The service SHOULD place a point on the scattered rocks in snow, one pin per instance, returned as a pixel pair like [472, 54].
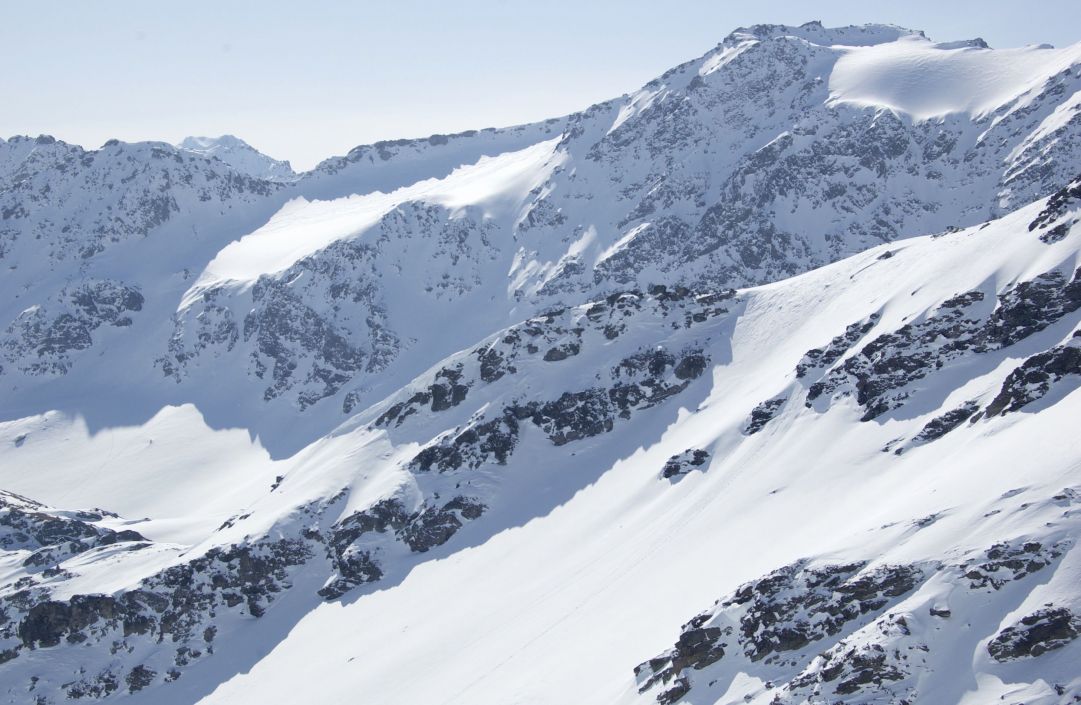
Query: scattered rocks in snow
[50, 536]
[180, 604]
[825, 357]
[681, 464]
[639, 382]
[1058, 205]
[882, 374]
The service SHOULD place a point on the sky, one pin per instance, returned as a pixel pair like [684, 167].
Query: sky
[307, 80]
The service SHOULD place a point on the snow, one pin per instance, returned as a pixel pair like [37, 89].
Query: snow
[210, 475]
[496, 184]
[919, 78]
[241, 156]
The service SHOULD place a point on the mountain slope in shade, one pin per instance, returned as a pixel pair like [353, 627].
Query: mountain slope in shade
[241, 156]
[756, 385]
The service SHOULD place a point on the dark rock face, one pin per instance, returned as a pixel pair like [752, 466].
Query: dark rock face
[882, 373]
[640, 381]
[353, 553]
[1005, 562]
[696, 648]
[1058, 205]
[1035, 634]
[481, 442]
[284, 330]
[843, 633]
[1035, 377]
[80, 202]
[44, 339]
[180, 604]
[822, 601]
[855, 669]
[825, 357]
[681, 464]
[354, 563]
[762, 415]
[445, 392]
[784, 612]
[562, 352]
[941, 425]
[561, 333]
[308, 331]
[139, 678]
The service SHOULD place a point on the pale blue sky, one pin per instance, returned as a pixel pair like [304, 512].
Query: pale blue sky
[306, 80]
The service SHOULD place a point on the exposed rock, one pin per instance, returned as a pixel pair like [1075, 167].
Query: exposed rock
[1035, 377]
[825, 357]
[784, 612]
[762, 415]
[1009, 561]
[352, 548]
[883, 372]
[681, 464]
[139, 678]
[941, 425]
[640, 381]
[1035, 634]
[43, 339]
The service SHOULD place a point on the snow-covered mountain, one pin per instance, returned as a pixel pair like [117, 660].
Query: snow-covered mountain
[241, 156]
[754, 385]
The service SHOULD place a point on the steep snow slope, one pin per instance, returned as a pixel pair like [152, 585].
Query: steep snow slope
[241, 156]
[530, 519]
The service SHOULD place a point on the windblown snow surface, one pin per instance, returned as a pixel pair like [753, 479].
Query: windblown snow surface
[758, 385]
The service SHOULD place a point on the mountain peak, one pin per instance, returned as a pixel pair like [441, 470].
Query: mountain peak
[815, 32]
[240, 155]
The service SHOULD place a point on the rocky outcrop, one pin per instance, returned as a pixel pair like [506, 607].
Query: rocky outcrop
[180, 605]
[1006, 562]
[846, 632]
[782, 613]
[682, 463]
[763, 414]
[941, 425]
[354, 553]
[638, 382]
[1058, 205]
[46, 339]
[1035, 634]
[882, 375]
[49, 536]
[1036, 376]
